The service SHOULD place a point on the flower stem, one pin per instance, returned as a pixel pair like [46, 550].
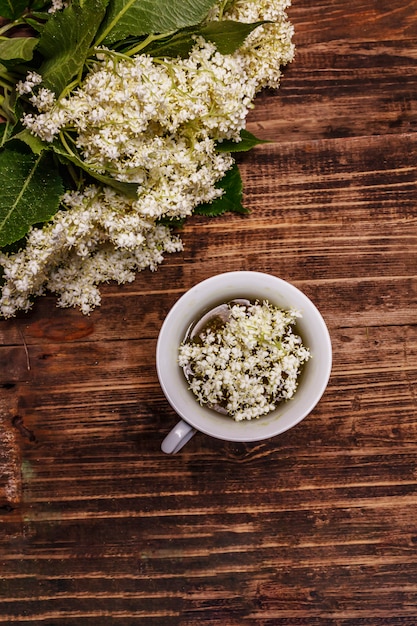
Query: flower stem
[222, 8]
[10, 25]
[63, 137]
[109, 53]
[6, 129]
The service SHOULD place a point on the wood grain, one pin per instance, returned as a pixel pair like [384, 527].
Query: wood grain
[315, 527]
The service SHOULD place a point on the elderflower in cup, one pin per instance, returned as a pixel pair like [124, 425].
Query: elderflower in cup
[242, 356]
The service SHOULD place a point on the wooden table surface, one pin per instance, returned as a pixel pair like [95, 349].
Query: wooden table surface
[316, 526]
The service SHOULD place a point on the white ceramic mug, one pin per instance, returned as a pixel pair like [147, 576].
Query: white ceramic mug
[189, 308]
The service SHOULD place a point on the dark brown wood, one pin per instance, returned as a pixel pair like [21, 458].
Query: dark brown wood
[315, 527]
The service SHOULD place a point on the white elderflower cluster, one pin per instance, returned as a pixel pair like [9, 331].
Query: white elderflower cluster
[205, 95]
[125, 102]
[155, 124]
[268, 47]
[32, 79]
[151, 122]
[99, 237]
[249, 364]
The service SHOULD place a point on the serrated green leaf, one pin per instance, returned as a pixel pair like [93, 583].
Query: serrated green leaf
[36, 145]
[12, 9]
[230, 201]
[127, 18]
[17, 48]
[31, 192]
[247, 142]
[66, 40]
[228, 35]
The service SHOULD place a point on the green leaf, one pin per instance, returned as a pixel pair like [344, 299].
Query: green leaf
[12, 9]
[177, 45]
[31, 192]
[66, 40]
[38, 14]
[127, 18]
[247, 142]
[17, 48]
[127, 189]
[230, 201]
[172, 222]
[36, 145]
[228, 35]
[35, 24]
[37, 5]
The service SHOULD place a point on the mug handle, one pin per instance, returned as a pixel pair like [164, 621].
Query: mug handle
[177, 437]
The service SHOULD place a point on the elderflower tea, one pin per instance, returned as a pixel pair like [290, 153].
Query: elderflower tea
[244, 358]
[185, 321]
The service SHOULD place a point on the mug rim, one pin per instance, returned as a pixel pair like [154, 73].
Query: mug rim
[178, 320]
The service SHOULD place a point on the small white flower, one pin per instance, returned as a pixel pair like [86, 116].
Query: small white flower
[57, 5]
[43, 100]
[26, 86]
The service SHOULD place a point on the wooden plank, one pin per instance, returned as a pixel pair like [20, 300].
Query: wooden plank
[10, 460]
[353, 74]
